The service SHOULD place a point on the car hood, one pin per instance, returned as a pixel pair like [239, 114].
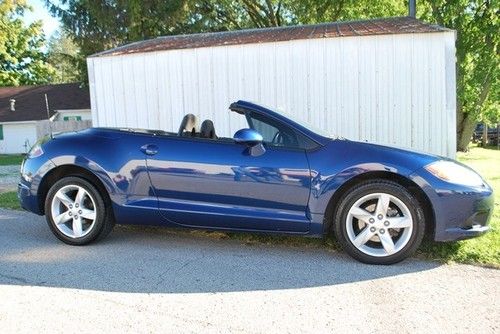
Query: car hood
[405, 161]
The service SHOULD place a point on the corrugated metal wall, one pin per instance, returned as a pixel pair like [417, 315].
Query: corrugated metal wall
[391, 89]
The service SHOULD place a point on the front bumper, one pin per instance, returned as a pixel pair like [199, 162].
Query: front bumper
[32, 172]
[460, 212]
[27, 200]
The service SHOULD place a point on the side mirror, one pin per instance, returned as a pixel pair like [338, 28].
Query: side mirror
[248, 137]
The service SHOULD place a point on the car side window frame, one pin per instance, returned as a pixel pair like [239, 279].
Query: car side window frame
[303, 143]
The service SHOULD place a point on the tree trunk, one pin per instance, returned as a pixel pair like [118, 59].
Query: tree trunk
[466, 128]
[467, 121]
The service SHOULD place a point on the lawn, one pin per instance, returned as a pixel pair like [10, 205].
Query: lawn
[11, 159]
[8, 200]
[484, 250]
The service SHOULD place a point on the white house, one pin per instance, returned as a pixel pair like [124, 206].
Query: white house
[390, 81]
[23, 108]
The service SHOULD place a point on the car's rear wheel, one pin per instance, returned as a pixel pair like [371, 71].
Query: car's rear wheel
[76, 212]
[379, 222]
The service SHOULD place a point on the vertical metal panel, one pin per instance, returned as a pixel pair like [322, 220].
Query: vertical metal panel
[316, 81]
[367, 76]
[119, 93]
[349, 118]
[92, 90]
[402, 103]
[391, 89]
[177, 107]
[151, 103]
[131, 112]
[450, 94]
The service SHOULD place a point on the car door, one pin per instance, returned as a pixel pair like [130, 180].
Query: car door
[218, 184]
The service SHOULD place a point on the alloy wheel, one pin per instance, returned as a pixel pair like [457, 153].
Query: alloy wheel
[379, 224]
[73, 211]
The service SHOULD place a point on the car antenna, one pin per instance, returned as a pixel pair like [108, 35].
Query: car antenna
[48, 116]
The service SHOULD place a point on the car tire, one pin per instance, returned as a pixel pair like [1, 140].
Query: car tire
[76, 211]
[379, 222]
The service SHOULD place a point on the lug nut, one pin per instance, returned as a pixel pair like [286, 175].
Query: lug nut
[382, 231]
[70, 213]
[71, 206]
[76, 217]
[372, 229]
[386, 223]
[76, 205]
[371, 220]
[80, 212]
[380, 217]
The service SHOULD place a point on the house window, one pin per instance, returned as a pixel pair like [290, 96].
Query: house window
[72, 118]
[1, 131]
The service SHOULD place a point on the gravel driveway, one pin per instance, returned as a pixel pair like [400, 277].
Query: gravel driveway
[158, 280]
[9, 177]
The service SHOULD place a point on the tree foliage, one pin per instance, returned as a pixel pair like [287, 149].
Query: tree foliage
[478, 61]
[22, 61]
[63, 55]
[99, 25]
[209, 15]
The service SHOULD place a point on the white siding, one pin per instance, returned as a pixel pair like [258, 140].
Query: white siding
[16, 136]
[391, 89]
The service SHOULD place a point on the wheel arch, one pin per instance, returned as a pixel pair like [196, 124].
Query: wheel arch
[408, 184]
[69, 170]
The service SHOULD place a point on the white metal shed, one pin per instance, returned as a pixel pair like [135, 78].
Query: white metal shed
[389, 81]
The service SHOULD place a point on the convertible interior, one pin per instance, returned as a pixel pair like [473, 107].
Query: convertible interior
[271, 131]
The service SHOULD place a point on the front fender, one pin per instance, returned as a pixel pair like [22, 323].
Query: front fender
[90, 166]
[324, 187]
[341, 161]
[114, 158]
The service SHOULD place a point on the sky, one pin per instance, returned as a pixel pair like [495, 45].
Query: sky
[50, 24]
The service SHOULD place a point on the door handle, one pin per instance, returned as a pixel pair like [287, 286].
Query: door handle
[149, 149]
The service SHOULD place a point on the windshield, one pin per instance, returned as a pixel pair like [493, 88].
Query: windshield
[304, 123]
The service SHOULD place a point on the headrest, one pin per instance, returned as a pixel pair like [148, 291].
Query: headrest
[207, 130]
[188, 126]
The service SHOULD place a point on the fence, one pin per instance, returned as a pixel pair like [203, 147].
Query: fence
[43, 128]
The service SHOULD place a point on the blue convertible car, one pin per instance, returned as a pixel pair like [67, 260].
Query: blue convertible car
[275, 175]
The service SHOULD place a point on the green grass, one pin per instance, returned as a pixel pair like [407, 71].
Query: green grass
[8, 200]
[484, 250]
[11, 159]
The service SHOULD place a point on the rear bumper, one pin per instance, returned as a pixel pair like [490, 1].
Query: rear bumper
[460, 212]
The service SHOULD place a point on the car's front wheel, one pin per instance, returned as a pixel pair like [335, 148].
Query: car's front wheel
[76, 211]
[379, 222]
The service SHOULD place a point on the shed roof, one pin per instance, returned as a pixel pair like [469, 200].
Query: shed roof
[30, 101]
[383, 26]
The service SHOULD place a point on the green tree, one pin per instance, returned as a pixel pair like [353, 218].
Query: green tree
[22, 61]
[95, 26]
[478, 61]
[63, 55]
[229, 14]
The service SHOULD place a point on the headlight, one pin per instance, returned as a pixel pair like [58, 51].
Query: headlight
[35, 151]
[450, 171]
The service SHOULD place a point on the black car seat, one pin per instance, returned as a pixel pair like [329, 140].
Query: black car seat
[207, 130]
[188, 126]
